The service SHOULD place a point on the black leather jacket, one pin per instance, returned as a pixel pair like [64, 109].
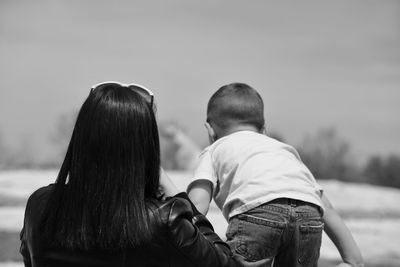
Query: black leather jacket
[183, 237]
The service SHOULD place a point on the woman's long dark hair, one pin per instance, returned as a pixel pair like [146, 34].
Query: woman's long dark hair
[109, 174]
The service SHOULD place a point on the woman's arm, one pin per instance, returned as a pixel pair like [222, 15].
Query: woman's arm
[192, 234]
[24, 249]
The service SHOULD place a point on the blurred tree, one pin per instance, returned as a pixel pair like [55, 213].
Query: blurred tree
[373, 170]
[20, 157]
[168, 147]
[23, 156]
[178, 151]
[383, 171]
[327, 156]
[392, 171]
[61, 136]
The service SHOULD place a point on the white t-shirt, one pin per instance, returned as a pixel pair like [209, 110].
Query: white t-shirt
[248, 169]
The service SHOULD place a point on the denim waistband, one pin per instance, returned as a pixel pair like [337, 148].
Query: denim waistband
[293, 202]
[286, 206]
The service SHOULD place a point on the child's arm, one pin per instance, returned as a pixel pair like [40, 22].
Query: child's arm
[200, 192]
[341, 236]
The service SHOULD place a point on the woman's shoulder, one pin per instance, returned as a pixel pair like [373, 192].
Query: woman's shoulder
[41, 192]
[36, 204]
[39, 197]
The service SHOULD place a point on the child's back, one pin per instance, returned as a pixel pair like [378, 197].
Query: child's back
[252, 169]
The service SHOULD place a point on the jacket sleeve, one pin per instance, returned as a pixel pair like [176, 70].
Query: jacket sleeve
[193, 236]
[33, 211]
[24, 249]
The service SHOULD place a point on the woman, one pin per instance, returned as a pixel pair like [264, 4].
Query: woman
[104, 208]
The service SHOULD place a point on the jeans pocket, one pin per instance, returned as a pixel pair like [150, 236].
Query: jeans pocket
[253, 237]
[310, 236]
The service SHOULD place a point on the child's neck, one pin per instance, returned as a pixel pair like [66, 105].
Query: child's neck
[238, 128]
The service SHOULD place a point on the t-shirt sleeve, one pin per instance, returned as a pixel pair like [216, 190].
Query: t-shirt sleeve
[205, 169]
[319, 188]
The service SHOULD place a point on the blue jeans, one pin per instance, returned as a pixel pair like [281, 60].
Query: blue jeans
[287, 232]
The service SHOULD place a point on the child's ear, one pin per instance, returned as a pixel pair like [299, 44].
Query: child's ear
[212, 136]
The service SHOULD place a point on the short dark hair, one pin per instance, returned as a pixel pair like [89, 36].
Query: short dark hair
[110, 170]
[236, 103]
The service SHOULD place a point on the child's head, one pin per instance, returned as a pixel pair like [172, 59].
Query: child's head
[235, 106]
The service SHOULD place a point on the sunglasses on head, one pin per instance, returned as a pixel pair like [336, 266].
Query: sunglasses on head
[141, 90]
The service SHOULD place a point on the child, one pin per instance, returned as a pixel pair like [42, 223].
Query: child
[271, 200]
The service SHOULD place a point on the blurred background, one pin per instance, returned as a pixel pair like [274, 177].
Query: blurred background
[328, 71]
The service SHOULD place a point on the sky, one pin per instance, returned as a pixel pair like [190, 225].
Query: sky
[317, 64]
